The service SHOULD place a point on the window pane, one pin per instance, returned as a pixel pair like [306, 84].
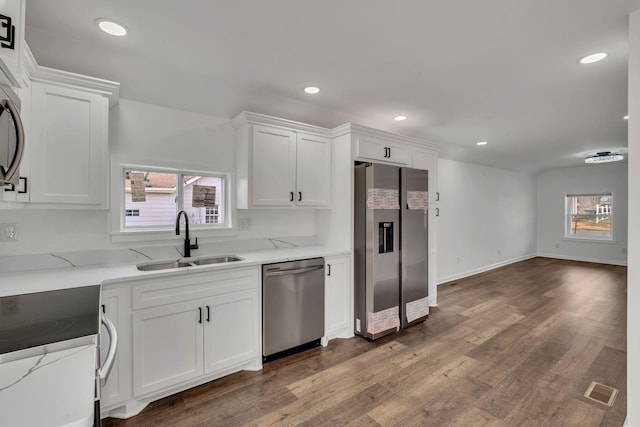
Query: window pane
[150, 198]
[203, 196]
[590, 216]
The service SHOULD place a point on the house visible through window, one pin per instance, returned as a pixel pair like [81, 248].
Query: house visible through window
[589, 216]
[153, 197]
[211, 215]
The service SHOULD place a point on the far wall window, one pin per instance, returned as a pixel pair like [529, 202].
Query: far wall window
[588, 216]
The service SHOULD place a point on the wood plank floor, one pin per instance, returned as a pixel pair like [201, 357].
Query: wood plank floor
[516, 346]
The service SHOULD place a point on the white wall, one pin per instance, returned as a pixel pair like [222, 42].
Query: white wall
[633, 282]
[487, 218]
[553, 185]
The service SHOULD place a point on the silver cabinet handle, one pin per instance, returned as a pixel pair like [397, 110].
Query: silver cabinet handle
[293, 271]
[13, 167]
[105, 370]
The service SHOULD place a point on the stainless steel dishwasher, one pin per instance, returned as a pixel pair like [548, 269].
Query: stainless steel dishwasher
[292, 306]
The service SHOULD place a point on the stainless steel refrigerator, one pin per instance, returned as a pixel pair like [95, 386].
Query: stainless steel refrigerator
[391, 253]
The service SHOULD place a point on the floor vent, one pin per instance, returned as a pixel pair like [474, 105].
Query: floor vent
[601, 393]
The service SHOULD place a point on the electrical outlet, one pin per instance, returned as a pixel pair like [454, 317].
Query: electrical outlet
[499, 252]
[9, 232]
[624, 251]
[458, 261]
[557, 245]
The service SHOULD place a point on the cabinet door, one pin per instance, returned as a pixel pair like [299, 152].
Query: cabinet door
[273, 156]
[313, 170]
[383, 152]
[117, 388]
[338, 297]
[167, 346]
[68, 145]
[232, 330]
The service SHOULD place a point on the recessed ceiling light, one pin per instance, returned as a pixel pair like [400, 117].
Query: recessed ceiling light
[111, 27]
[311, 90]
[595, 57]
[481, 143]
[604, 157]
[400, 118]
[626, 117]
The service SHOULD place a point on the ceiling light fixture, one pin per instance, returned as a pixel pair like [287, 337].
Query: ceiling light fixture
[626, 117]
[590, 59]
[482, 143]
[311, 90]
[111, 27]
[400, 118]
[604, 157]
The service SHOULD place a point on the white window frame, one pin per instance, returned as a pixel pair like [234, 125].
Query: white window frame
[121, 233]
[567, 218]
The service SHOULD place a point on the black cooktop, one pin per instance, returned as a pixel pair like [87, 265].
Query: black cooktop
[32, 320]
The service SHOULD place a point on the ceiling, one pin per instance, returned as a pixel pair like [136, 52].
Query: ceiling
[463, 71]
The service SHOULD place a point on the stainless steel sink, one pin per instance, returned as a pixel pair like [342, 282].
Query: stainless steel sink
[188, 262]
[217, 259]
[164, 265]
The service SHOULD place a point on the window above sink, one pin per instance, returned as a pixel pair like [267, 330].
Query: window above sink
[150, 197]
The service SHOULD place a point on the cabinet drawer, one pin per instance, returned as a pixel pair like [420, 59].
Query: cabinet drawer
[160, 291]
[382, 151]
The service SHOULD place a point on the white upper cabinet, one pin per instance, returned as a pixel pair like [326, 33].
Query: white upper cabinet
[281, 163]
[273, 173]
[12, 40]
[382, 151]
[69, 145]
[313, 170]
[68, 139]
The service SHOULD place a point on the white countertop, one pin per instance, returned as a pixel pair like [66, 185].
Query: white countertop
[116, 270]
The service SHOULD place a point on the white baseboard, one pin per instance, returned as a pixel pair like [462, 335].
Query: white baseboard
[583, 259]
[468, 273]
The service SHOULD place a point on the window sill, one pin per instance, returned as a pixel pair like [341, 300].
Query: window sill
[589, 240]
[166, 235]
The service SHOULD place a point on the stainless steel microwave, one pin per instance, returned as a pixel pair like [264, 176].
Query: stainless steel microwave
[11, 136]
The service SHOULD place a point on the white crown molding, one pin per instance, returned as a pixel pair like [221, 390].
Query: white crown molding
[246, 118]
[36, 72]
[359, 130]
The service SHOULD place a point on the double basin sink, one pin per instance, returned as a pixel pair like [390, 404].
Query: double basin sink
[187, 262]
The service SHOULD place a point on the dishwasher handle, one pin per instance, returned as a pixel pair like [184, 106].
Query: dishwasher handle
[293, 271]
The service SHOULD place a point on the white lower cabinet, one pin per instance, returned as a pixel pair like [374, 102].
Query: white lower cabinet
[167, 346]
[230, 335]
[338, 297]
[195, 328]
